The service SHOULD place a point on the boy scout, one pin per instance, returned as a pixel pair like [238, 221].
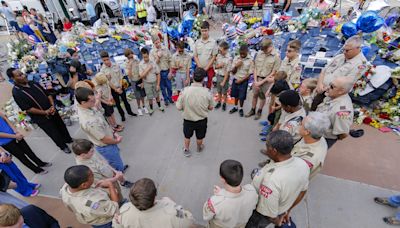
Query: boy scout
[205, 52]
[181, 63]
[161, 56]
[97, 129]
[132, 68]
[145, 212]
[149, 72]
[232, 205]
[91, 206]
[306, 91]
[114, 76]
[281, 185]
[292, 114]
[349, 64]
[242, 68]
[221, 66]
[339, 107]
[267, 62]
[291, 63]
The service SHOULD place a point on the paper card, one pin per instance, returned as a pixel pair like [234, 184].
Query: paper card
[320, 54]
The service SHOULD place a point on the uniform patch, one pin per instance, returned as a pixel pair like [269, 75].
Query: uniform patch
[271, 170]
[309, 154]
[342, 107]
[88, 203]
[298, 68]
[310, 165]
[265, 191]
[95, 206]
[210, 206]
[343, 114]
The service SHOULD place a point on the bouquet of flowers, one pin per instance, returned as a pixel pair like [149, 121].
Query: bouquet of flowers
[362, 82]
[28, 63]
[17, 49]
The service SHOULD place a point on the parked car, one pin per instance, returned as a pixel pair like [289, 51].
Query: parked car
[173, 6]
[230, 5]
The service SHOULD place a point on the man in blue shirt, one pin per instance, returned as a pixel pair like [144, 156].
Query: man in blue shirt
[90, 12]
[9, 15]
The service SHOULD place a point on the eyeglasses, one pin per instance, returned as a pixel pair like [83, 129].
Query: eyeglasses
[350, 49]
[332, 86]
[290, 50]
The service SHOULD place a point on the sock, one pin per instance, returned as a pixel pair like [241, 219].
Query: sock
[151, 106]
[159, 104]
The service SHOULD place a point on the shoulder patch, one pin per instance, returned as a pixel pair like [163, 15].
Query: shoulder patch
[93, 205]
[343, 114]
[271, 170]
[310, 165]
[210, 206]
[265, 191]
[309, 154]
[342, 107]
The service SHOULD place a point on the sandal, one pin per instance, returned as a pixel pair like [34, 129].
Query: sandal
[391, 220]
[383, 201]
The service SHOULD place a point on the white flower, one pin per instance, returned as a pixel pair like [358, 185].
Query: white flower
[16, 41]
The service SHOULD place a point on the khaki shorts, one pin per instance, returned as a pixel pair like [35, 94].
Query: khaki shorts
[150, 89]
[222, 89]
[263, 89]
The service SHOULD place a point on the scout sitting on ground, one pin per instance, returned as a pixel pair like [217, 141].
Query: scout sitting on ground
[145, 212]
[150, 73]
[306, 91]
[221, 66]
[232, 205]
[92, 206]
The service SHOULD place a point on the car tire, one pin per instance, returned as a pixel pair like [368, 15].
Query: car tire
[229, 7]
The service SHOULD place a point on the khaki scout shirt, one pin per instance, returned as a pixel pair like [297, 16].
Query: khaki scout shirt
[313, 154]
[113, 74]
[194, 101]
[226, 60]
[184, 60]
[165, 213]
[100, 168]
[226, 209]
[340, 112]
[105, 91]
[246, 69]
[133, 66]
[266, 63]
[205, 50]
[291, 122]
[292, 69]
[94, 124]
[279, 184]
[152, 75]
[165, 58]
[91, 206]
[339, 66]
[307, 102]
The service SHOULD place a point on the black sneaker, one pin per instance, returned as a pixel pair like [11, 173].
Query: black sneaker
[125, 168]
[218, 105]
[223, 107]
[233, 110]
[241, 114]
[127, 184]
[66, 150]
[251, 113]
[47, 164]
[132, 114]
[166, 103]
[123, 118]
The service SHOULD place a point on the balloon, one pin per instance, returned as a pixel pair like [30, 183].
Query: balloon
[365, 50]
[173, 33]
[369, 21]
[391, 19]
[349, 29]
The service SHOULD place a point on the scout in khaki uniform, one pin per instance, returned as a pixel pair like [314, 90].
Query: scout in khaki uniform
[132, 69]
[91, 206]
[242, 67]
[115, 77]
[232, 205]
[145, 212]
[180, 64]
[291, 63]
[292, 114]
[349, 64]
[313, 148]
[338, 106]
[205, 52]
[267, 63]
[281, 185]
[149, 72]
[306, 91]
[162, 57]
[221, 66]
[97, 129]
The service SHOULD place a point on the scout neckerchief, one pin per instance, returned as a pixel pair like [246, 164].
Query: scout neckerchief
[32, 98]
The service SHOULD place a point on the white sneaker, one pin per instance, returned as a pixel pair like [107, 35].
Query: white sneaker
[145, 110]
[140, 113]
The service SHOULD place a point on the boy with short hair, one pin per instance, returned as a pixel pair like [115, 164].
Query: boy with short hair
[180, 63]
[221, 66]
[291, 63]
[92, 206]
[242, 68]
[86, 155]
[149, 72]
[306, 91]
[232, 205]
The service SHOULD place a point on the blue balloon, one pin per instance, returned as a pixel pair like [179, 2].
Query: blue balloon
[369, 21]
[391, 19]
[365, 50]
[349, 29]
[173, 33]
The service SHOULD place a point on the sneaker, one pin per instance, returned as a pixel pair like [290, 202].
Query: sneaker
[43, 172]
[264, 133]
[151, 111]
[132, 114]
[223, 107]
[241, 113]
[171, 101]
[200, 148]
[161, 109]
[66, 150]
[263, 139]
[186, 153]
[233, 110]
[47, 164]
[123, 118]
[218, 105]
[166, 103]
[139, 111]
[266, 128]
[258, 116]
[251, 113]
[127, 184]
[34, 193]
[37, 186]
[125, 168]
[145, 110]
[264, 123]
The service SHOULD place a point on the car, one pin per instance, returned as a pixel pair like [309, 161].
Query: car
[173, 6]
[230, 5]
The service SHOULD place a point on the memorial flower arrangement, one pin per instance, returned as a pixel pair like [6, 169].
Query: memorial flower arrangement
[17, 49]
[362, 82]
[28, 63]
